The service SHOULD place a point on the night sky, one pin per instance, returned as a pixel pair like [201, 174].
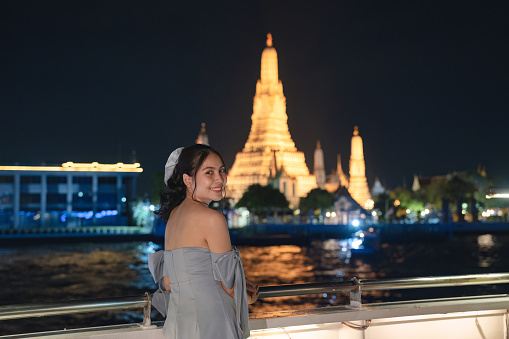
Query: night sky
[426, 81]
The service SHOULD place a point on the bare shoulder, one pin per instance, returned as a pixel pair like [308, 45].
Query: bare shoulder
[215, 217]
[216, 232]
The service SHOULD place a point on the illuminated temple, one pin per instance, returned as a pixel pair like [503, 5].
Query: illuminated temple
[269, 155]
[358, 185]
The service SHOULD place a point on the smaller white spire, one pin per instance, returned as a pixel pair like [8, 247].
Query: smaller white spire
[319, 166]
[416, 185]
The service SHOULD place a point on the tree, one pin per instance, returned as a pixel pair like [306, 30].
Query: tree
[316, 199]
[262, 199]
[458, 189]
[157, 186]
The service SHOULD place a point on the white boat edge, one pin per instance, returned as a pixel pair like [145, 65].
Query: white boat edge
[478, 317]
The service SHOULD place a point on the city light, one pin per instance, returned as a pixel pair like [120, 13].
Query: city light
[488, 213]
[369, 204]
[79, 167]
[397, 203]
[355, 223]
[497, 195]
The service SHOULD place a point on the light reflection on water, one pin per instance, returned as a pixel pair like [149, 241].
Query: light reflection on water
[486, 245]
[41, 273]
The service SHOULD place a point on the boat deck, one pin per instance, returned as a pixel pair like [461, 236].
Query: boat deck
[465, 318]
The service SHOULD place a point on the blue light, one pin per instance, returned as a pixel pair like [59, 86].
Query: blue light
[355, 223]
[106, 213]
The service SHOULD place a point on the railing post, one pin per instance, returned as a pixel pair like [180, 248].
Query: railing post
[355, 294]
[146, 311]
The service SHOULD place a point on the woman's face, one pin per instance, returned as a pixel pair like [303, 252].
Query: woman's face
[210, 180]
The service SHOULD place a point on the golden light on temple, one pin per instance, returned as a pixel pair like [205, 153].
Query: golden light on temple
[79, 167]
[358, 185]
[269, 155]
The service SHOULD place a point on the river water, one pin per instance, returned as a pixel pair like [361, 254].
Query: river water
[55, 272]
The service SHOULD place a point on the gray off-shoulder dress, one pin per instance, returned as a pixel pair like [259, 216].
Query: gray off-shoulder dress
[197, 306]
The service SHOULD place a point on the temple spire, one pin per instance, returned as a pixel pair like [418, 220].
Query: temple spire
[269, 72]
[269, 40]
[358, 187]
[270, 155]
[319, 166]
[203, 138]
[269, 127]
[343, 180]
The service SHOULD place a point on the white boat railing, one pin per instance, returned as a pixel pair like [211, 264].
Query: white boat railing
[355, 287]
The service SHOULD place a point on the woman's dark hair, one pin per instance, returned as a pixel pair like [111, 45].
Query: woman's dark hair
[189, 162]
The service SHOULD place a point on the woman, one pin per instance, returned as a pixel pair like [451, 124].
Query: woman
[203, 290]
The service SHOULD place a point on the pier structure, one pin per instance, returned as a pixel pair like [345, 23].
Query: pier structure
[73, 194]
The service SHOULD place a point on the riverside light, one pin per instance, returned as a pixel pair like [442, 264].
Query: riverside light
[497, 195]
[369, 204]
[79, 167]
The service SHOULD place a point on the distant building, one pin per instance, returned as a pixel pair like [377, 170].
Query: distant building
[378, 188]
[347, 209]
[73, 194]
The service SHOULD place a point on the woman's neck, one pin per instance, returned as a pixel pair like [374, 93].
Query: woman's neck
[191, 199]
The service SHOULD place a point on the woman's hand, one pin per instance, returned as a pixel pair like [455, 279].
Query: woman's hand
[252, 291]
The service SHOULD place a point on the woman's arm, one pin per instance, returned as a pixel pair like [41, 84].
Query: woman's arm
[218, 238]
[216, 232]
[167, 283]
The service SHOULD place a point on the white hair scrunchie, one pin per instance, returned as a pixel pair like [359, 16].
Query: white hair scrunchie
[171, 163]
